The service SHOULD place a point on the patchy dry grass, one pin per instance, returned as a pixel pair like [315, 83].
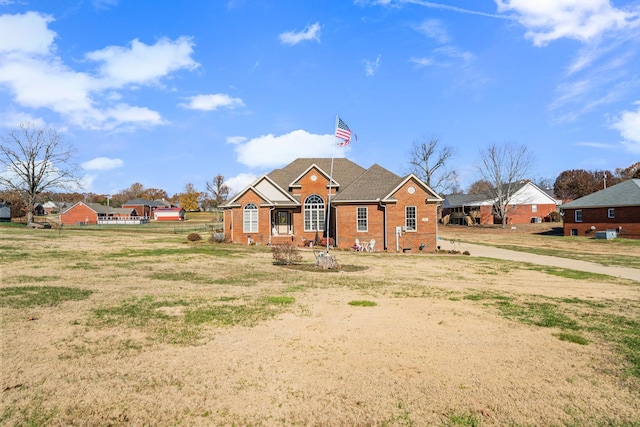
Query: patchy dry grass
[119, 329]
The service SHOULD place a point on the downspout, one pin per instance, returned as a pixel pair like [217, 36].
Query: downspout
[384, 226]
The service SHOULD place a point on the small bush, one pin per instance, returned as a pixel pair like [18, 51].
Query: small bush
[554, 217]
[194, 237]
[217, 237]
[285, 254]
[466, 253]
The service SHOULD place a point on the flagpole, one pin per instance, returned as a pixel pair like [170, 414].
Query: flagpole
[333, 150]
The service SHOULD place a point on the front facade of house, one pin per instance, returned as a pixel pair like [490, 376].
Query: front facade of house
[84, 213]
[615, 208]
[294, 205]
[528, 204]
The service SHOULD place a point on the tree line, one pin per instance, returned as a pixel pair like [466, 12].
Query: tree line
[36, 165]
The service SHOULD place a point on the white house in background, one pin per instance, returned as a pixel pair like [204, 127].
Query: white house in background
[528, 204]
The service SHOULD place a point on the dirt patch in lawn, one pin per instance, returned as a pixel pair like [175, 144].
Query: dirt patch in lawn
[178, 334]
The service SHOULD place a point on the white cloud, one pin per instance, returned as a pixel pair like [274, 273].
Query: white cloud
[236, 139]
[371, 67]
[26, 33]
[430, 5]
[596, 145]
[628, 124]
[584, 20]
[102, 164]
[212, 102]
[37, 78]
[433, 28]
[423, 62]
[271, 151]
[239, 182]
[310, 32]
[445, 56]
[15, 119]
[142, 63]
[105, 4]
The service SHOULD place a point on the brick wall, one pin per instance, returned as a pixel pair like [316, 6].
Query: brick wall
[522, 214]
[79, 213]
[234, 221]
[346, 222]
[426, 220]
[628, 218]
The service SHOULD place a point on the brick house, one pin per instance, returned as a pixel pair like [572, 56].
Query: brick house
[144, 207]
[529, 203]
[614, 208]
[292, 205]
[94, 213]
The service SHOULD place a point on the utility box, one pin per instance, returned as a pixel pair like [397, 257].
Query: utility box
[608, 234]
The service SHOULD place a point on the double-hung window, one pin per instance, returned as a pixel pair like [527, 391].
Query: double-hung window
[410, 218]
[250, 218]
[578, 215]
[362, 216]
[611, 213]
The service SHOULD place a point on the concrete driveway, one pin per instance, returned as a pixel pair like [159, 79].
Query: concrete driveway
[491, 252]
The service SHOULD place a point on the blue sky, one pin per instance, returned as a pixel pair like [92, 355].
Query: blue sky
[168, 93]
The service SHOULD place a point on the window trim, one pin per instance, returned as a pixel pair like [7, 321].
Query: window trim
[576, 214]
[611, 213]
[407, 218]
[365, 219]
[250, 209]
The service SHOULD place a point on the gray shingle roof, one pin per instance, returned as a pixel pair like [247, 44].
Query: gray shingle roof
[373, 184]
[144, 202]
[101, 209]
[344, 171]
[627, 193]
[455, 200]
[355, 183]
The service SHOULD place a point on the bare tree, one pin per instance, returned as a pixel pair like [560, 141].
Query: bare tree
[35, 160]
[428, 162]
[632, 171]
[219, 190]
[504, 167]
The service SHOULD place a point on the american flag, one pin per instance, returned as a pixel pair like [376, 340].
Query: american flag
[343, 132]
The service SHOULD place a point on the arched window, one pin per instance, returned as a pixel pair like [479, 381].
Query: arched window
[250, 218]
[314, 213]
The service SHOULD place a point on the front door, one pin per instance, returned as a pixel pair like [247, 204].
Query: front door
[283, 222]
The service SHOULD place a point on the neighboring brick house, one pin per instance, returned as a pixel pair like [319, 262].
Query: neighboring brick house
[94, 213]
[614, 208]
[144, 207]
[291, 205]
[528, 204]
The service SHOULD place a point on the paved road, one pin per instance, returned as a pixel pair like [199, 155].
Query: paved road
[491, 252]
